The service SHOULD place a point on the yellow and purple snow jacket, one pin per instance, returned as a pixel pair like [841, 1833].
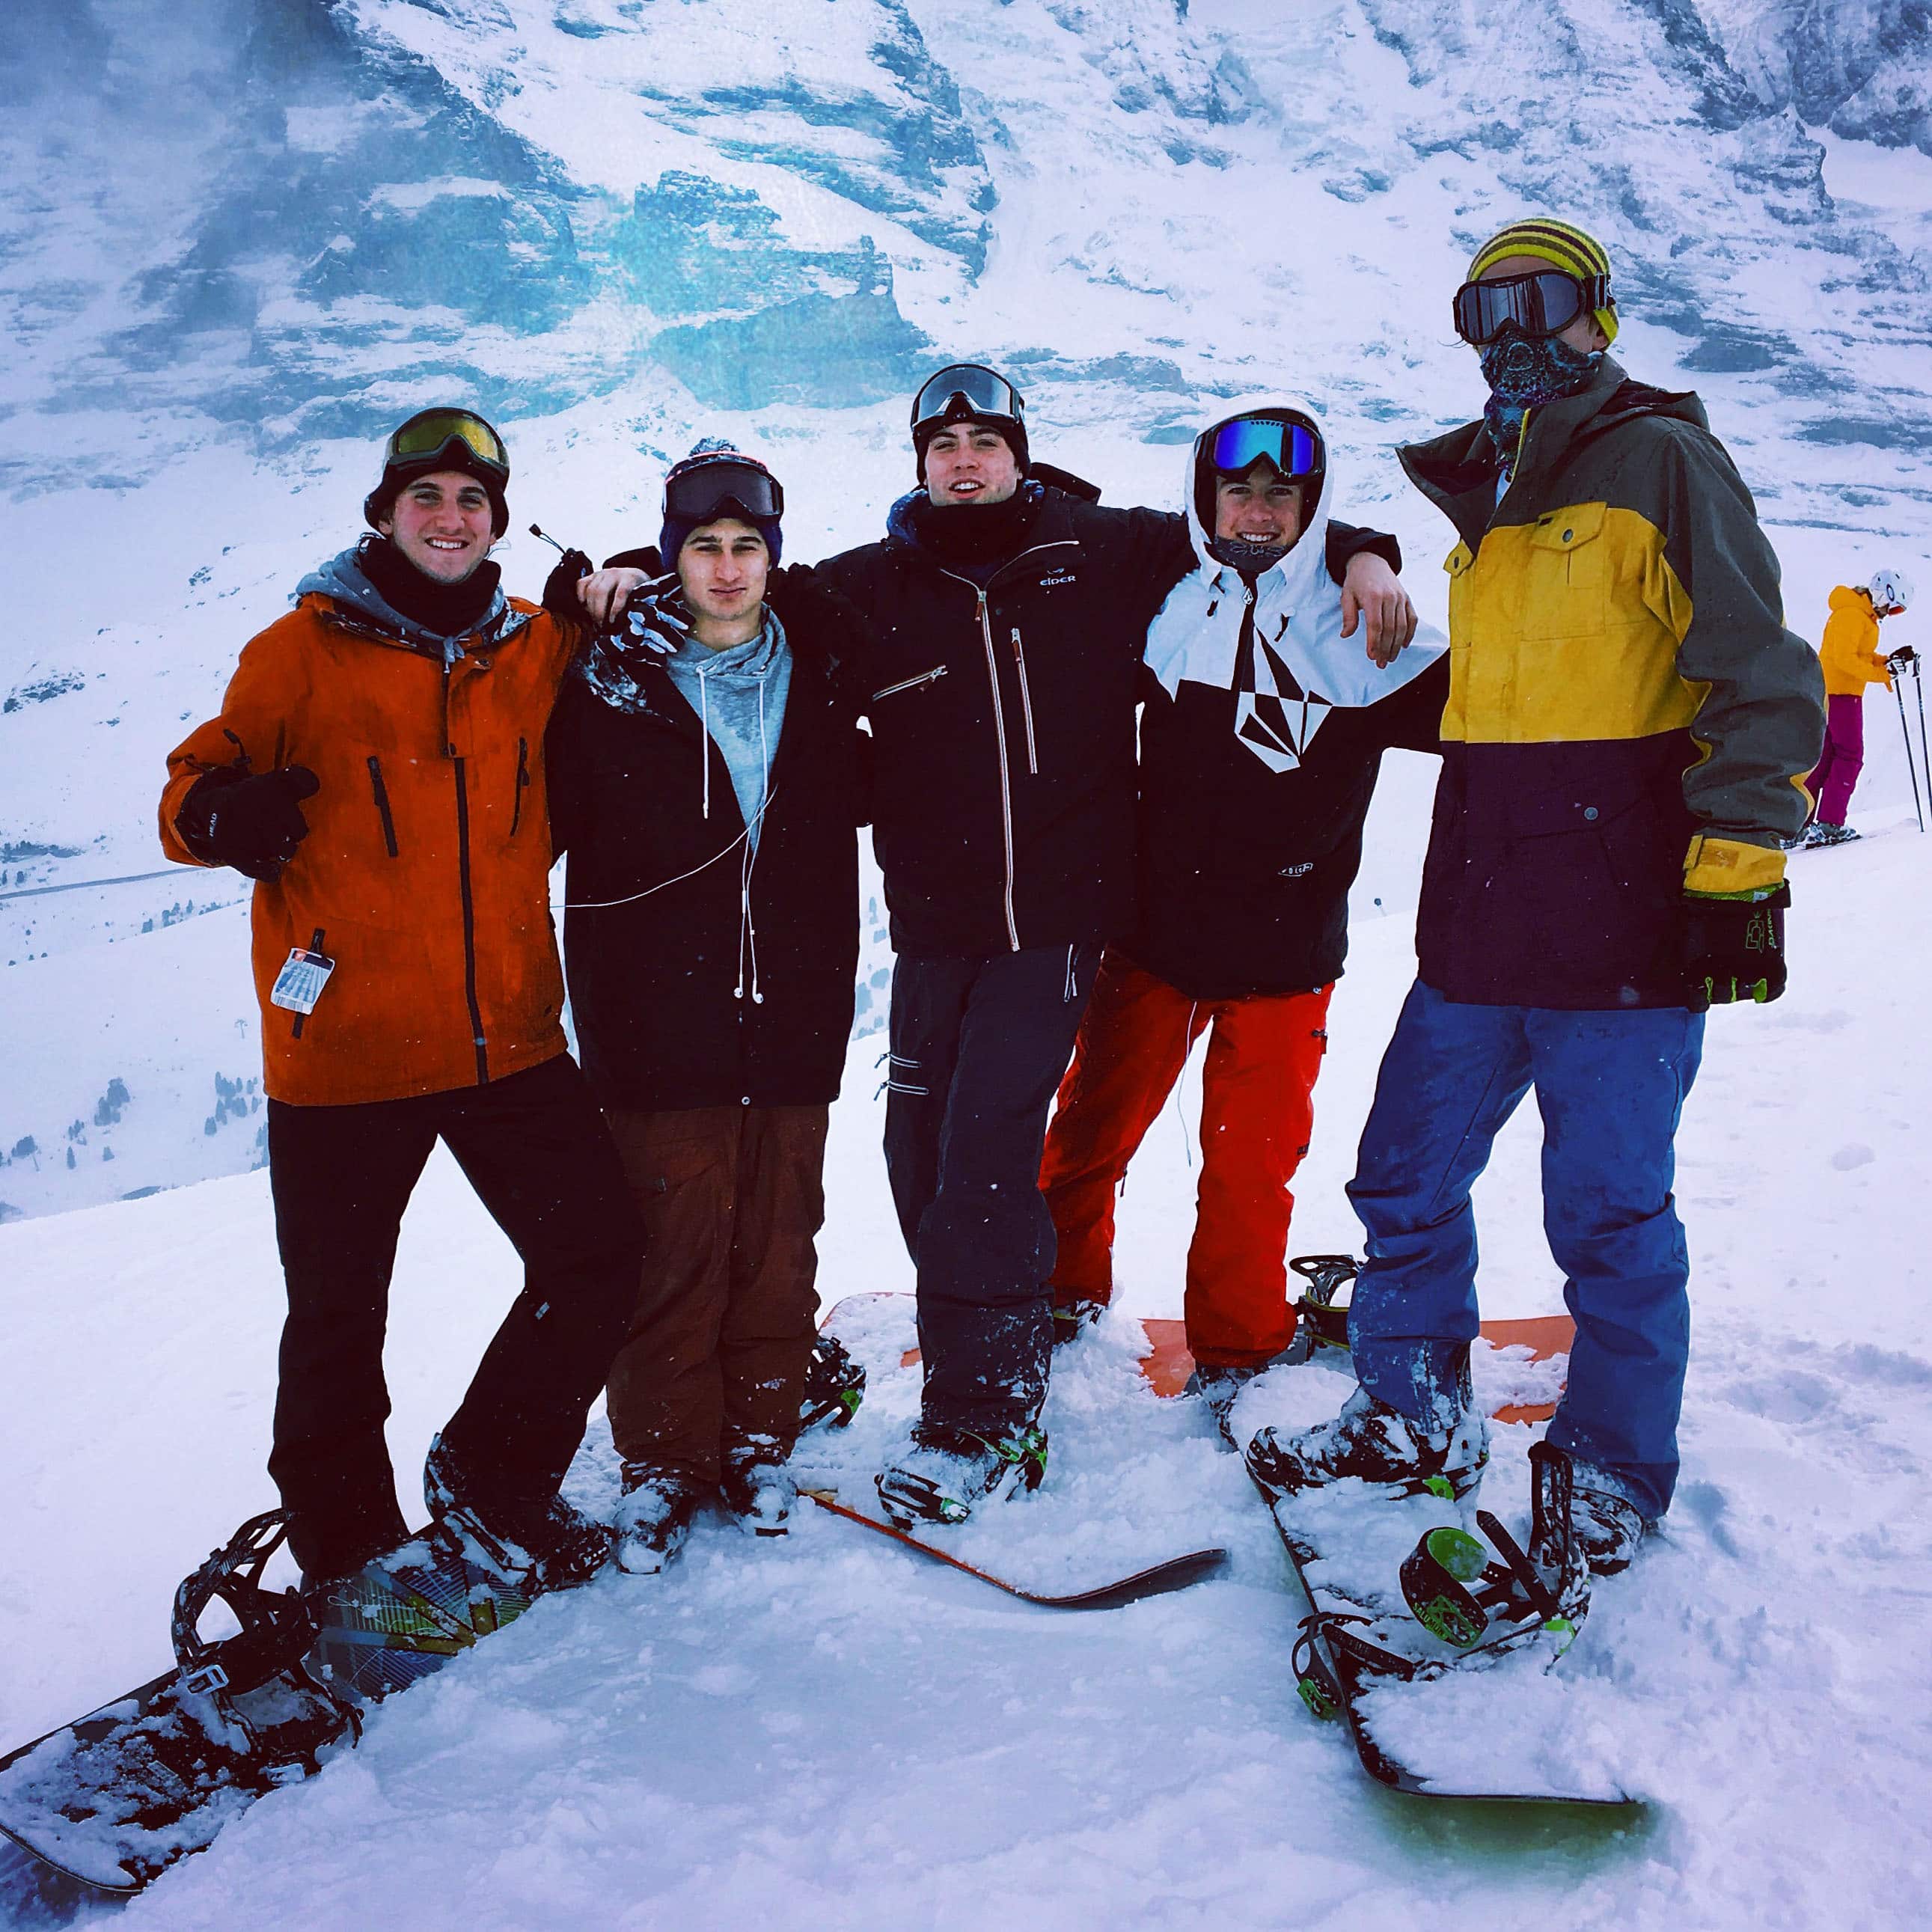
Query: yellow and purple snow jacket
[1628, 718]
[1850, 653]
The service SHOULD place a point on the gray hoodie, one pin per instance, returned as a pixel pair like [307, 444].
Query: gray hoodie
[739, 693]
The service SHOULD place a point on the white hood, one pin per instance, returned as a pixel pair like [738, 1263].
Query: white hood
[1303, 667]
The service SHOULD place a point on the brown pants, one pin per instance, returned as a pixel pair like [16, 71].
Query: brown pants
[731, 1197]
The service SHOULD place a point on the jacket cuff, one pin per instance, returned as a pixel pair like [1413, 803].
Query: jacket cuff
[1729, 869]
[1348, 540]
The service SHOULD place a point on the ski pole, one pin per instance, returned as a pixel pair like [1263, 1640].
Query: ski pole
[1924, 762]
[1905, 731]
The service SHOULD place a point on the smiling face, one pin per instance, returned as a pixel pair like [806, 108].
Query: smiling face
[967, 463]
[1263, 507]
[722, 569]
[442, 523]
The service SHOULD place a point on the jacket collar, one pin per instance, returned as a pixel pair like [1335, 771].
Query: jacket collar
[359, 607]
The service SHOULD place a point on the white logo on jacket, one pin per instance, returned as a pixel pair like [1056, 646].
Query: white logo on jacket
[1303, 667]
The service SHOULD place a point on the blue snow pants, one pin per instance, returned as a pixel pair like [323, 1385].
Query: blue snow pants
[1610, 1086]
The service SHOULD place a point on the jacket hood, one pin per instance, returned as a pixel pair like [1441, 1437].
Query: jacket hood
[1301, 667]
[1848, 597]
[342, 581]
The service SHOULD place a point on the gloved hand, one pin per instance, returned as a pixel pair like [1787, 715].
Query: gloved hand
[560, 590]
[253, 823]
[1901, 658]
[1734, 949]
[657, 615]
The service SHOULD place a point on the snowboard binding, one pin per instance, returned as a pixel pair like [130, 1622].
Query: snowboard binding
[1480, 1594]
[1321, 1327]
[258, 1680]
[834, 1385]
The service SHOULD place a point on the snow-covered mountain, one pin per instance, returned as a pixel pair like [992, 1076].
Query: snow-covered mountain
[243, 237]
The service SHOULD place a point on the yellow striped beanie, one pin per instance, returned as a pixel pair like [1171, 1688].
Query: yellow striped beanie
[1568, 248]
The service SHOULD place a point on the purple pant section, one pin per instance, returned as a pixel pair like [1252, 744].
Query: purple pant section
[1843, 758]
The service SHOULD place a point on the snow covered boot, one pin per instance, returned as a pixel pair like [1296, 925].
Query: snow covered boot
[1377, 1444]
[1604, 1525]
[757, 1490]
[1822, 834]
[542, 1539]
[942, 1475]
[1220, 1389]
[655, 1516]
[1073, 1316]
[834, 1385]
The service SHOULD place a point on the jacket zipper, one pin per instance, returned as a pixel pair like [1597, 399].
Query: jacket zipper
[381, 792]
[522, 783]
[469, 925]
[910, 683]
[1026, 704]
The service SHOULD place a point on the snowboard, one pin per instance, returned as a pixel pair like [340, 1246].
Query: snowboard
[115, 1798]
[1435, 1648]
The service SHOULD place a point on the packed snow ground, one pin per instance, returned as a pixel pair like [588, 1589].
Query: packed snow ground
[827, 1731]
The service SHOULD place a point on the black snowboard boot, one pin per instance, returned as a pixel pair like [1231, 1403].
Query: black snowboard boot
[1378, 1444]
[654, 1518]
[942, 1474]
[1073, 1317]
[542, 1538]
[834, 1385]
[1220, 1389]
[758, 1490]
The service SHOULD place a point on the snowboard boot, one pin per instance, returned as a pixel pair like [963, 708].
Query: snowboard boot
[1822, 834]
[758, 1491]
[1220, 1389]
[1075, 1315]
[540, 1539]
[1605, 1526]
[1377, 1444]
[942, 1475]
[834, 1385]
[655, 1516]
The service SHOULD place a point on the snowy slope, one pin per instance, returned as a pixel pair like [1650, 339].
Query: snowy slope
[824, 1732]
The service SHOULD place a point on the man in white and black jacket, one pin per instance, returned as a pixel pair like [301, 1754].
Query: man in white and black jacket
[1007, 611]
[1265, 722]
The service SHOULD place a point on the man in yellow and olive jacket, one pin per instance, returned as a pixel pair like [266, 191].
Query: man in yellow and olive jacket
[376, 767]
[1851, 658]
[1628, 727]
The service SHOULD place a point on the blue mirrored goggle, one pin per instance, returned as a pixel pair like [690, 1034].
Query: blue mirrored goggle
[1293, 448]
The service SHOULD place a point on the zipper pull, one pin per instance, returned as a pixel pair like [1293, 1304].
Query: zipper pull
[1016, 644]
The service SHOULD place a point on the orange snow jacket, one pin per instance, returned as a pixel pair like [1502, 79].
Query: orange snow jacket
[425, 873]
[1850, 653]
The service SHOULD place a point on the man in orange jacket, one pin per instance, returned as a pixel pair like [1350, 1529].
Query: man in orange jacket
[377, 769]
[1852, 660]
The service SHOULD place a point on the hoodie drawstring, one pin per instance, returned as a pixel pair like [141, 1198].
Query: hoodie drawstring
[704, 740]
[748, 931]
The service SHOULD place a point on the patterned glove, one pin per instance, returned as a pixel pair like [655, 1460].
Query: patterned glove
[658, 615]
[1734, 947]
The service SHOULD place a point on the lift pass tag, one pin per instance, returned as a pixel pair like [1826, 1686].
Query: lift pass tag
[299, 984]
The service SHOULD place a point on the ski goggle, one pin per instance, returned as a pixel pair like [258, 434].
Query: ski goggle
[1293, 448]
[1545, 303]
[697, 495]
[430, 434]
[965, 389]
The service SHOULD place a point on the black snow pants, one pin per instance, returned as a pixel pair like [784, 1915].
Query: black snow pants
[534, 1147]
[978, 1048]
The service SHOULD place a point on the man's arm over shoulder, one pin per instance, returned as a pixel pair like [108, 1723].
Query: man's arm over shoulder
[1760, 725]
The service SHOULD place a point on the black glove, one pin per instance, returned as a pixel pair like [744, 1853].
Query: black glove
[1734, 949]
[1904, 656]
[559, 595]
[253, 824]
[657, 615]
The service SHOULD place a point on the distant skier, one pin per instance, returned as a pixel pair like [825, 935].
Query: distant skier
[1627, 728]
[1260, 742]
[377, 767]
[1851, 659]
[1009, 611]
[705, 781]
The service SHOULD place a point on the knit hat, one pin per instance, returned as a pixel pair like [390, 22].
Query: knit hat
[688, 506]
[437, 439]
[1558, 243]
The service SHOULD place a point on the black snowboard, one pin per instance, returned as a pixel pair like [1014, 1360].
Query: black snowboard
[114, 1798]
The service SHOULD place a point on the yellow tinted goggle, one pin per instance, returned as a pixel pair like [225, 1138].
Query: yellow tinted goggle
[431, 432]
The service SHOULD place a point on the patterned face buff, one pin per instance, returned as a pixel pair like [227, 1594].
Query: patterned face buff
[1523, 373]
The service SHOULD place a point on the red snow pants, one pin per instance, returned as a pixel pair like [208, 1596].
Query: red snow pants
[1257, 1110]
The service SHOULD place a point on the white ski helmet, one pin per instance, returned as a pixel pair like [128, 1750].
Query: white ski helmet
[1889, 589]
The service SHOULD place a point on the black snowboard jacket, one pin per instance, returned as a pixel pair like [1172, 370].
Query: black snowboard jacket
[726, 984]
[1002, 717]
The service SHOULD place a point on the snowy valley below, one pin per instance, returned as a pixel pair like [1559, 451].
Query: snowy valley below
[247, 236]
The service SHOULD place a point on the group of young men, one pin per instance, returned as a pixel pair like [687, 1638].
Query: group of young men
[1116, 764]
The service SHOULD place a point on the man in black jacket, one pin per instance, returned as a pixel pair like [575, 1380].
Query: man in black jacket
[705, 782]
[1007, 612]
[1265, 722]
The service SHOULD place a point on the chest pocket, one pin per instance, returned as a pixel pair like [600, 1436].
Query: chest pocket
[1566, 576]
